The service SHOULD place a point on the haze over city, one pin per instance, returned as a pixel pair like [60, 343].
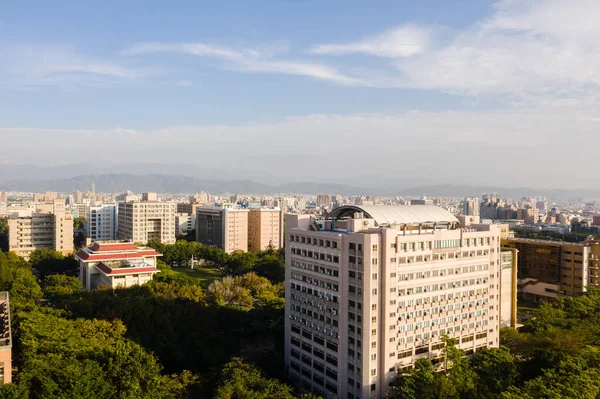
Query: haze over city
[490, 93]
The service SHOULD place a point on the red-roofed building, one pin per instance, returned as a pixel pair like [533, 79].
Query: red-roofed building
[116, 264]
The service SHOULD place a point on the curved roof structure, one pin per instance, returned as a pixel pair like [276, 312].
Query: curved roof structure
[397, 214]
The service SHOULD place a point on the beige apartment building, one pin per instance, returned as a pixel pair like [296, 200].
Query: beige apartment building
[553, 269]
[145, 221]
[371, 289]
[43, 225]
[223, 227]
[264, 229]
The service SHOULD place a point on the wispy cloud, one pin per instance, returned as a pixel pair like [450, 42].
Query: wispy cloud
[248, 60]
[30, 66]
[522, 48]
[403, 41]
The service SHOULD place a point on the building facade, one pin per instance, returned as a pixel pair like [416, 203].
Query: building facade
[115, 264]
[5, 340]
[371, 289]
[101, 222]
[43, 225]
[184, 223]
[145, 221]
[553, 269]
[223, 227]
[264, 229]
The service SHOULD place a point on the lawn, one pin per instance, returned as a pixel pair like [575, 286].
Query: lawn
[206, 275]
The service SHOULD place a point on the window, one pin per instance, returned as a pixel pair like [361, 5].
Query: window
[373, 372]
[374, 247]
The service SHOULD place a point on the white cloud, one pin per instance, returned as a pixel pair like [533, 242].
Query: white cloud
[523, 48]
[403, 41]
[248, 60]
[451, 147]
[25, 65]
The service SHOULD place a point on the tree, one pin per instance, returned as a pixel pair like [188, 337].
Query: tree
[240, 262]
[496, 369]
[78, 222]
[48, 261]
[241, 380]
[56, 285]
[228, 293]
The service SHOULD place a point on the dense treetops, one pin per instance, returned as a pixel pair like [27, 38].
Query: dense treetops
[555, 355]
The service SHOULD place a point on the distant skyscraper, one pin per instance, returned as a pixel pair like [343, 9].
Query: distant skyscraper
[323, 201]
[3, 196]
[264, 229]
[470, 207]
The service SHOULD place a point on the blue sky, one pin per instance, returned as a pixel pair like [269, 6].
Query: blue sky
[276, 79]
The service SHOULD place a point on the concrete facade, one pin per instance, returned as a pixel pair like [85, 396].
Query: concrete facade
[101, 222]
[371, 289]
[264, 229]
[43, 225]
[223, 227]
[145, 221]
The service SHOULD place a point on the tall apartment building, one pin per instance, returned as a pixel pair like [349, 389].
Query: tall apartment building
[3, 197]
[44, 225]
[552, 269]
[223, 227]
[101, 222]
[470, 207]
[371, 289]
[45, 197]
[264, 229]
[323, 201]
[529, 215]
[145, 221]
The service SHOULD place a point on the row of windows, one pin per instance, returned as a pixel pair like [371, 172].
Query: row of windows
[315, 255]
[314, 281]
[315, 304]
[442, 272]
[315, 326]
[314, 241]
[426, 336]
[315, 268]
[441, 287]
[310, 291]
[316, 315]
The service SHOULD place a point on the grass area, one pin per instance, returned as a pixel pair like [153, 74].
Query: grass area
[205, 274]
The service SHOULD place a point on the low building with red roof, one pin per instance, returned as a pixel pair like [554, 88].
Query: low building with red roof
[116, 264]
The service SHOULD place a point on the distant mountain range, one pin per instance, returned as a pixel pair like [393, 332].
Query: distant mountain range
[177, 183]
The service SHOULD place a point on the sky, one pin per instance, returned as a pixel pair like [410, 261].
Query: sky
[500, 93]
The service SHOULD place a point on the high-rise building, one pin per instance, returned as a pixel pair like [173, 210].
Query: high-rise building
[323, 201]
[45, 225]
[184, 223]
[145, 221]
[3, 197]
[264, 229]
[116, 264]
[470, 207]
[224, 227]
[529, 215]
[552, 269]
[77, 197]
[101, 222]
[371, 289]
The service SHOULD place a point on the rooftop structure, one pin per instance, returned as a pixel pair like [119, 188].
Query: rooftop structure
[397, 215]
[116, 264]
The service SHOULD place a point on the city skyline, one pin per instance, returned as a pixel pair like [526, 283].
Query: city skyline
[406, 91]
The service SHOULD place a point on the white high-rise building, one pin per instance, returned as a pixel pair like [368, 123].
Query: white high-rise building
[145, 221]
[371, 289]
[101, 222]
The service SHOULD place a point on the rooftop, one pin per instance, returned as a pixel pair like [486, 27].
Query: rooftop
[114, 251]
[388, 215]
